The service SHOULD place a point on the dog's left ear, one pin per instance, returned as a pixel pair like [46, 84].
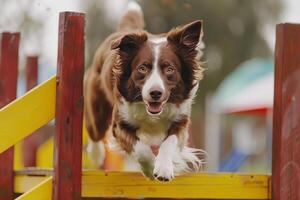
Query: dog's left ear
[188, 36]
[130, 42]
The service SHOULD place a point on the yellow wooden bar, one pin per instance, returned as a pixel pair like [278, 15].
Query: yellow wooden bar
[198, 186]
[42, 191]
[26, 114]
[192, 186]
[23, 183]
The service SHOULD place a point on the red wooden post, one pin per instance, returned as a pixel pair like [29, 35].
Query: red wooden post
[286, 119]
[9, 55]
[69, 107]
[29, 146]
[31, 72]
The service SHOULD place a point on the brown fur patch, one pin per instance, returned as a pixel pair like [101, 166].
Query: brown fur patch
[98, 112]
[184, 41]
[128, 47]
[133, 19]
[125, 134]
[180, 128]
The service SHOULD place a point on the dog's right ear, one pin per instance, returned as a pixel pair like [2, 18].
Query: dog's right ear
[129, 43]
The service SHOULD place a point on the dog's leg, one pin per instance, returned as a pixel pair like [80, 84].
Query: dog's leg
[143, 154]
[163, 166]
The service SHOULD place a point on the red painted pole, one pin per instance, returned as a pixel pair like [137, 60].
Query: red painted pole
[31, 72]
[9, 56]
[286, 117]
[30, 144]
[69, 107]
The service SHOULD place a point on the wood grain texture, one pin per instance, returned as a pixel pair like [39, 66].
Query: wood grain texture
[9, 58]
[39, 104]
[286, 120]
[23, 183]
[190, 186]
[99, 184]
[69, 107]
[41, 191]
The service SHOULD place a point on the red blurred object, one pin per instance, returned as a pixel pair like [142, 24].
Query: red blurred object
[30, 144]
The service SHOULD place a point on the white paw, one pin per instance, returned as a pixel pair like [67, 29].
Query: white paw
[163, 170]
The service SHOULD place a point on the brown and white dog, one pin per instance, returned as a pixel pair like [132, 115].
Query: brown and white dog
[140, 89]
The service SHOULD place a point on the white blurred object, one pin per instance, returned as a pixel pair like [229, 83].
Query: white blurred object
[212, 134]
[256, 96]
[247, 138]
[250, 87]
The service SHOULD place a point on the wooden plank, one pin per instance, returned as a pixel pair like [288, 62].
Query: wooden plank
[24, 183]
[42, 191]
[29, 145]
[33, 110]
[33, 171]
[9, 58]
[192, 186]
[69, 107]
[286, 120]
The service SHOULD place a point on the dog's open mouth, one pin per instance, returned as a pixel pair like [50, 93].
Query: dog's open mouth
[155, 108]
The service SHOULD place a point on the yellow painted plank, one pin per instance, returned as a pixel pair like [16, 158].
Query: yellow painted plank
[42, 191]
[23, 183]
[200, 185]
[26, 114]
[197, 186]
[18, 156]
[44, 155]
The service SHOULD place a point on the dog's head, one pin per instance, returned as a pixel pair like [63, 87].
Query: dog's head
[158, 69]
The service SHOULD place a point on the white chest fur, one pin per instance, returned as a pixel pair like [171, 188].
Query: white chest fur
[152, 129]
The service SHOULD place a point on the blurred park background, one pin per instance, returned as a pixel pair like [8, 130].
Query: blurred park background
[232, 115]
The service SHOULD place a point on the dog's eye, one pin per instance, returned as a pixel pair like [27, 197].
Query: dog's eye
[142, 69]
[169, 70]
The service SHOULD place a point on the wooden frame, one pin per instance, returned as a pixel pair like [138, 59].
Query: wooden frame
[286, 117]
[9, 57]
[134, 185]
[69, 107]
[43, 111]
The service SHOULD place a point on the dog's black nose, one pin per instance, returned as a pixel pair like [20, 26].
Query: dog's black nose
[155, 94]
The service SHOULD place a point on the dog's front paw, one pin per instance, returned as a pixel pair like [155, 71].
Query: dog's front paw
[163, 171]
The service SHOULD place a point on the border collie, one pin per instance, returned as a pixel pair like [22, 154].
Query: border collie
[139, 91]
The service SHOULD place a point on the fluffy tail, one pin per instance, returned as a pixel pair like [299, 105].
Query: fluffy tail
[189, 160]
[133, 18]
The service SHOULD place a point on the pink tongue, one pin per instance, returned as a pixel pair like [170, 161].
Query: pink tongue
[154, 108]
